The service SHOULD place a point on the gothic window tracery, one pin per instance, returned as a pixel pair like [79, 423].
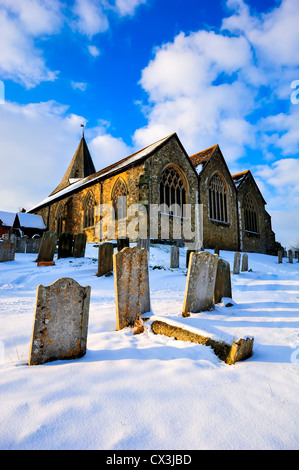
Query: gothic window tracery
[119, 199]
[218, 209]
[89, 206]
[250, 214]
[172, 190]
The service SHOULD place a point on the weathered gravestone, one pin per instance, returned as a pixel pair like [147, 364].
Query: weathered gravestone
[33, 244]
[280, 255]
[237, 261]
[60, 322]
[47, 248]
[65, 245]
[174, 257]
[244, 262]
[105, 258]
[297, 255]
[143, 243]
[21, 245]
[223, 281]
[7, 251]
[200, 283]
[79, 245]
[290, 256]
[131, 280]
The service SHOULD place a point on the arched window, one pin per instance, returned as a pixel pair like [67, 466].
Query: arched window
[60, 218]
[172, 190]
[250, 214]
[89, 205]
[218, 199]
[119, 199]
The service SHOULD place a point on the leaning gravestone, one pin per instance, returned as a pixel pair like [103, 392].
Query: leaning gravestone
[200, 283]
[7, 251]
[237, 261]
[174, 257]
[105, 258]
[223, 286]
[280, 255]
[47, 248]
[131, 280]
[60, 322]
[65, 245]
[290, 256]
[79, 245]
[244, 262]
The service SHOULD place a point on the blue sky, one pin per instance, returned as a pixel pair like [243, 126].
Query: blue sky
[137, 70]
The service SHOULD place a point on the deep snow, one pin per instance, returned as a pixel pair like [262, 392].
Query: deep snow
[147, 391]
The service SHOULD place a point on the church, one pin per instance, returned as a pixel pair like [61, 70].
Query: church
[232, 216]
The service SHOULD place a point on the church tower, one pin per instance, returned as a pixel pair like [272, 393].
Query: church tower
[80, 167]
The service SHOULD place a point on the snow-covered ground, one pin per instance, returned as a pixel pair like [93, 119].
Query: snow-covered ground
[147, 391]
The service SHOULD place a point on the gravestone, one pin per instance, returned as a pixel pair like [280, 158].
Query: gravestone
[131, 280]
[33, 244]
[290, 256]
[65, 245]
[223, 287]
[244, 262]
[143, 243]
[280, 255]
[200, 283]
[297, 255]
[174, 257]
[47, 248]
[237, 261]
[105, 258]
[21, 245]
[188, 254]
[60, 322]
[7, 251]
[122, 243]
[79, 245]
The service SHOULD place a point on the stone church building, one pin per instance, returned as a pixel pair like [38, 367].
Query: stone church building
[161, 175]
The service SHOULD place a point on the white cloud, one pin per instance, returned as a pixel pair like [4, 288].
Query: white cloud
[79, 85]
[90, 18]
[93, 50]
[127, 7]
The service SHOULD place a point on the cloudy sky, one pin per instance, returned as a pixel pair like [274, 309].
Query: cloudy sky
[134, 71]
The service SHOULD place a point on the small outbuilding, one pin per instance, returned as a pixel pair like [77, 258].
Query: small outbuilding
[6, 222]
[30, 225]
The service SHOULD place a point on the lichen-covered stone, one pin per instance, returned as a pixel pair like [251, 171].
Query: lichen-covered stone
[131, 279]
[60, 322]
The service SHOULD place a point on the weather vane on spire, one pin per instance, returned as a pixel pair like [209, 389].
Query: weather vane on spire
[83, 125]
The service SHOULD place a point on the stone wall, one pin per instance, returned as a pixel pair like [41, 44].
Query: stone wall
[219, 234]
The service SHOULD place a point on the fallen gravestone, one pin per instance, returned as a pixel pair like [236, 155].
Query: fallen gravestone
[131, 280]
[223, 287]
[60, 322]
[200, 283]
[237, 351]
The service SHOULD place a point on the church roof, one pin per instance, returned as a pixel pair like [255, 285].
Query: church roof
[239, 177]
[203, 156]
[121, 165]
[80, 167]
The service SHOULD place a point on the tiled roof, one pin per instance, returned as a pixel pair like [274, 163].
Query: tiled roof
[203, 156]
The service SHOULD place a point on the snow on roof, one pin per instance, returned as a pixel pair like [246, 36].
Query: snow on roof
[7, 218]
[135, 157]
[31, 220]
